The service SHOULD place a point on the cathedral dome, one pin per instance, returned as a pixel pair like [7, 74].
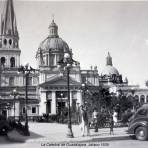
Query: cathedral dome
[109, 68]
[52, 49]
[54, 43]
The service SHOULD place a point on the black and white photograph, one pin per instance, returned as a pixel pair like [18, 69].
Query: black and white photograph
[73, 74]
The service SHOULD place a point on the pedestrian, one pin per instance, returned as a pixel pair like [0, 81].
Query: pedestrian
[84, 121]
[95, 119]
[111, 124]
[115, 118]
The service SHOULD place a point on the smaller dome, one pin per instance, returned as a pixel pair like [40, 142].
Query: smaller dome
[110, 70]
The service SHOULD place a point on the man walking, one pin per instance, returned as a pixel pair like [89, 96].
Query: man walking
[95, 119]
[84, 121]
[111, 124]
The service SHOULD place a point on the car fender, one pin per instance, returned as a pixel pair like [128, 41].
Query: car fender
[142, 123]
[134, 126]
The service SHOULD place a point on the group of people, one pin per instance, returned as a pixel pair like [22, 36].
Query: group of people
[85, 123]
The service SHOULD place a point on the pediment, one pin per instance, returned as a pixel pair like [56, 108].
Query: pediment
[60, 81]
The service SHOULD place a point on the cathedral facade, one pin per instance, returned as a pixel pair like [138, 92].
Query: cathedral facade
[52, 80]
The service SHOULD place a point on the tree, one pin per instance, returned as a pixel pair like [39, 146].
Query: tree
[125, 103]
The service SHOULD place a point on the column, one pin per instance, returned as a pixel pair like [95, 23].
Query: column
[42, 104]
[53, 103]
[7, 61]
[55, 60]
[58, 58]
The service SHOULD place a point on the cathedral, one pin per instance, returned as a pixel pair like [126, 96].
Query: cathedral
[52, 80]
[47, 87]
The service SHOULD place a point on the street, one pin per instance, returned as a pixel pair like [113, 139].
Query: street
[54, 135]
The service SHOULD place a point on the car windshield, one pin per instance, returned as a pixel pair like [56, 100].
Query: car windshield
[142, 112]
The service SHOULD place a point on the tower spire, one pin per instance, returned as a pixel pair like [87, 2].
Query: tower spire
[109, 60]
[8, 23]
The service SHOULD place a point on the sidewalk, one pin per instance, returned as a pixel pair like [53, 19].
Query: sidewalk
[56, 133]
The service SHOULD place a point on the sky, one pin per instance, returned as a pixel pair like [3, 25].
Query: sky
[91, 29]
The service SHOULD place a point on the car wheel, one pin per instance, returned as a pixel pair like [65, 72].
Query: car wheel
[3, 131]
[141, 133]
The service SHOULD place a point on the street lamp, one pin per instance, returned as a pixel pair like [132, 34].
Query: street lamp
[67, 63]
[84, 89]
[14, 93]
[26, 70]
[61, 113]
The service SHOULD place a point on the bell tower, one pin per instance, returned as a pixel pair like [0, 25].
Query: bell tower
[9, 38]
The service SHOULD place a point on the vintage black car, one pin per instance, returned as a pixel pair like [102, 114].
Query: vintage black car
[138, 123]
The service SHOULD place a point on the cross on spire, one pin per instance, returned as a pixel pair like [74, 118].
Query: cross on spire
[53, 17]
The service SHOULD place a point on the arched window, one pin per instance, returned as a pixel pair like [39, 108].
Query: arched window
[136, 102]
[10, 41]
[136, 98]
[11, 81]
[130, 97]
[12, 62]
[51, 60]
[142, 99]
[5, 41]
[29, 81]
[3, 61]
